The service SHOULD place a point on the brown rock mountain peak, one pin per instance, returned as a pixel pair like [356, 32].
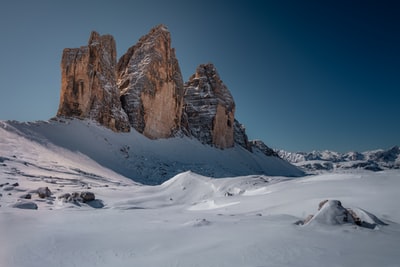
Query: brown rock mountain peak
[88, 84]
[151, 85]
[145, 90]
[209, 108]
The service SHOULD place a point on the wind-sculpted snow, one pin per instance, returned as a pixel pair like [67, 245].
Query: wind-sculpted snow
[58, 207]
[193, 220]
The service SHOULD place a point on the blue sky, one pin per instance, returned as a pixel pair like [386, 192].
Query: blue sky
[305, 75]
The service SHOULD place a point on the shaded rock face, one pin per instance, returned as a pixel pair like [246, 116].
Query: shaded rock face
[209, 109]
[240, 136]
[260, 145]
[151, 85]
[88, 84]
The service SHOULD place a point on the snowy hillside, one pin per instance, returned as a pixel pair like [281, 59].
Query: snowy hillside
[190, 220]
[315, 161]
[141, 159]
[60, 207]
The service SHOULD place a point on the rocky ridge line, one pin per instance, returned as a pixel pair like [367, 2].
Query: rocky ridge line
[145, 91]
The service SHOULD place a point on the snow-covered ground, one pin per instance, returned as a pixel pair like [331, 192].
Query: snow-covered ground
[189, 220]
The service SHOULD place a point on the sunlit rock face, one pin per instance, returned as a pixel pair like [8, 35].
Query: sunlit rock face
[151, 85]
[145, 90]
[209, 109]
[88, 84]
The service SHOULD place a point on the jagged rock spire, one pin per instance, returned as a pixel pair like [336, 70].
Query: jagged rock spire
[209, 108]
[88, 83]
[151, 85]
[145, 91]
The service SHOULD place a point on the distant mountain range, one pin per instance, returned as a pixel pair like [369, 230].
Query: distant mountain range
[316, 161]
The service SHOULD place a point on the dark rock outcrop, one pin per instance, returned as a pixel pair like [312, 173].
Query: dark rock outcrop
[240, 136]
[27, 205]
[151, 85]
[43, 192]
[260, 145]
[88, 84]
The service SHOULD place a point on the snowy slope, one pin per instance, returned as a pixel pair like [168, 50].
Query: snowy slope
[149, 161]
[189, 220]
[192, 220]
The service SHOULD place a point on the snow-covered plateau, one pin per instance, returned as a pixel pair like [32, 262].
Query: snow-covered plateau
[60, 206]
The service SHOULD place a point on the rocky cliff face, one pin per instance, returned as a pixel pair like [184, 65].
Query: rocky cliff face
[240, 136]
[209, 108]
[145, 90]
[260, 145]
[151, 85]
[88, 83]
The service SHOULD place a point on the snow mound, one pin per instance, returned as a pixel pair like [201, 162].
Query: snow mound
[331, 212]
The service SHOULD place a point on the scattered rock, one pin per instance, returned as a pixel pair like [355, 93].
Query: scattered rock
[65, 196]
[43, 192]
[83, 197]
[87, 196]
[25, 205]
[8, 188]
[26, 196]
[1, 185]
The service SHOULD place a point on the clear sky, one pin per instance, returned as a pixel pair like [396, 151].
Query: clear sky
[305, 75]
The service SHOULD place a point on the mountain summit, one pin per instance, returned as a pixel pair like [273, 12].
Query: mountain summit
[151, 85]
[145, 91]
[88, 84]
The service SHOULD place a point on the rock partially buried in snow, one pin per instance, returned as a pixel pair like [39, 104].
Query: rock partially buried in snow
[28, 205]
[87, 196]
[43, 192]
[331, 212]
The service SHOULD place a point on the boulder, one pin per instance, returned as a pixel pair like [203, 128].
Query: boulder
[87, 196]
[43, 192]
[25, 205]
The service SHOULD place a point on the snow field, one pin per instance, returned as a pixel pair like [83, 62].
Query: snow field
[188, 220]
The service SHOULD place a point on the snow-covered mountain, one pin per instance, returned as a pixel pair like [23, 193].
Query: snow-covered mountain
[375, 160]
[141, 159]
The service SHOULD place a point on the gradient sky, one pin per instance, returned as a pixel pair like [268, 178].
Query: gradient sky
[305, 75]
